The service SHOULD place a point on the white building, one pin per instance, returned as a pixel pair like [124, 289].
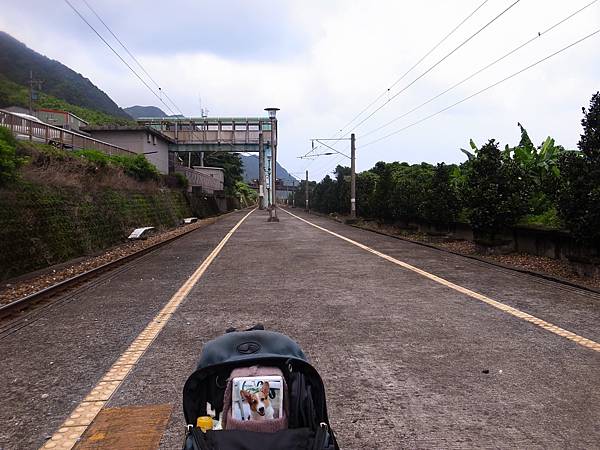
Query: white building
[139, 139]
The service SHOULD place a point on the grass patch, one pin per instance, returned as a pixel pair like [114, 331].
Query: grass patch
[137, 166]
[548, 219]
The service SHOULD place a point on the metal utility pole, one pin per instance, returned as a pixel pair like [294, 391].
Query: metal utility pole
[33, 83]
[306, 191]
[273, 209]
[352, 176]
[261, 171]
[352, 157]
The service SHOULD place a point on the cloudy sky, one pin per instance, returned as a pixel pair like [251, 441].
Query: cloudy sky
[323, 61]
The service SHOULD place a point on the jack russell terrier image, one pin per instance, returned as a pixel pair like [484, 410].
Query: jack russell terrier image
[260, 403]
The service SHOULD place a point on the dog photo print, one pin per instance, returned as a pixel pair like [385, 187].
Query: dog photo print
[257, 398]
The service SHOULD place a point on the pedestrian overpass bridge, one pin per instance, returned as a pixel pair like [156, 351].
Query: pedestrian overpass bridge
[201, 134]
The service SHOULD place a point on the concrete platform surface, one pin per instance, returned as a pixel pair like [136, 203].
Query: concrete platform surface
[407, 361]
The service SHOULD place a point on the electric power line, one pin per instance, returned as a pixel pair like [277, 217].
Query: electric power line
[415, 64]
[483, 90]
[434, 66]
[132, 56]
[118, 55]
[471, 14]
[537, 36]
[431, 68]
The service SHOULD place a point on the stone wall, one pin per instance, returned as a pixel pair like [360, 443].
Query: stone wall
[44, 225]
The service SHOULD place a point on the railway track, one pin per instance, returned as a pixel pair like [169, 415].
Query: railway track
[23, 304]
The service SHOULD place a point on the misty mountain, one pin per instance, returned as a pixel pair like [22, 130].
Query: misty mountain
[145, 111]
[17, 60]
[251, 170]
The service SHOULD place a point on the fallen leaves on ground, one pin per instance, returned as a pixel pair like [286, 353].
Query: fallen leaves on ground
[540, 264]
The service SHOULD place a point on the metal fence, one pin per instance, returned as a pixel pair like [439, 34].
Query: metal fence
[33, 131]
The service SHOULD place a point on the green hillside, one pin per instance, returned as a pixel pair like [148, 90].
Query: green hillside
[60, 82]
[13, 94]
[145, 111]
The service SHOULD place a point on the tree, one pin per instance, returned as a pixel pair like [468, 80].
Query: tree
[325, 196]
[579, 190]
[589, 143]
[300, 193]
[384, 189]
[541, 165]
[342, 188]
[496, 192]
[230, 162]
[440, 205]
[366, 184]
[408, 192]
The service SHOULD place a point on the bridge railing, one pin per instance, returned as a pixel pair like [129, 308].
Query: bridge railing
[31, 130]
[242, 131]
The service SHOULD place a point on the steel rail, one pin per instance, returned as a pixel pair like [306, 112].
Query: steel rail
[50, 291]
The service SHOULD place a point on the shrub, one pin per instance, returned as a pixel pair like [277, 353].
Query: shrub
[94, 156]
[247, 194]
[9, 161]
[408, 189]
[496, 192]
[182, 180]
[137, 166]
[579, 191]
[440, 205]
[547, 219]
[366, 183]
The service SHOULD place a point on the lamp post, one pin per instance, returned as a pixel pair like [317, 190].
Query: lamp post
[273, 206]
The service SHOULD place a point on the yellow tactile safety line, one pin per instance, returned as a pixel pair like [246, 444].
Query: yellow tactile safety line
[585, 342]
[80, 419]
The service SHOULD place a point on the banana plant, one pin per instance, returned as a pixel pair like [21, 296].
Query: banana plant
[470, 155]
[540, 162]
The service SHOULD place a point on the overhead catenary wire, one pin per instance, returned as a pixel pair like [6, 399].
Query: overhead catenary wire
[117, 54]
[193, 132]
[435, 47]
[399, 79]
[132, 56]
[462, 44]
[483, 90]
[437, 63]
[506, 55]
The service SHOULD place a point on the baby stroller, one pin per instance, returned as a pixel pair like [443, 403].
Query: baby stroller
[246, 419]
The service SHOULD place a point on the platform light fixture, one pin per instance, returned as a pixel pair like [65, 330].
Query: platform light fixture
[272, 112]
[273, 200]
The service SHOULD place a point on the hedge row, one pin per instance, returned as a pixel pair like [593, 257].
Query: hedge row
[494, 189]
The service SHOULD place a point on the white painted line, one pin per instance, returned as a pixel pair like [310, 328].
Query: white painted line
[585, 342]
[69, 433]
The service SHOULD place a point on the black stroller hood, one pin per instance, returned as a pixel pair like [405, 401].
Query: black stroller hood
[246, 348]
[255, 345]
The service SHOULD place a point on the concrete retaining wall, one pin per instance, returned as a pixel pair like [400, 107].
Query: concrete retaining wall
[46, 225]
[555, 244]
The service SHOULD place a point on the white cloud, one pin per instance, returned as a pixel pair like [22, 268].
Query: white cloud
[352, 51]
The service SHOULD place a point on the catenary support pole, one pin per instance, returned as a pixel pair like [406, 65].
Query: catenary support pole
[306, 191]
[273, 211]
[261, 171]
[352, 176]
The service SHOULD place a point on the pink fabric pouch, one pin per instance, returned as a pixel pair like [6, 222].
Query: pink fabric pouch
[264, 426]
